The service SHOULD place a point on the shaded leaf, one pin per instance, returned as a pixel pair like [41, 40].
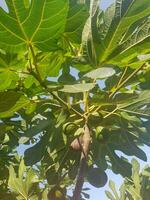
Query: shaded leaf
[42, 125]
[35, 153]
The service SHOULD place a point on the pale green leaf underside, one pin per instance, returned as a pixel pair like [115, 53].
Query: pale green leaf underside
[39, 24]
[101, 73]
[77, 88]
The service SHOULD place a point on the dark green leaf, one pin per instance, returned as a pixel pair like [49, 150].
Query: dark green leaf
[97, 177]
[34, 154]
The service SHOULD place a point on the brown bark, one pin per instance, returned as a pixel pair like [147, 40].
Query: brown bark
[83, 163]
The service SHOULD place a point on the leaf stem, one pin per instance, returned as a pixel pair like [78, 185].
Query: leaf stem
[35, 63]
[135, 113]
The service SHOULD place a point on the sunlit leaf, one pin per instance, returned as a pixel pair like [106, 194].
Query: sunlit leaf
[101, 73]
[34, 24]
[77, 88]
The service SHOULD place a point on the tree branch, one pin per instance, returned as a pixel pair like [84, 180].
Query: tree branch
[86, 140]
[83, 163]
[37, 76]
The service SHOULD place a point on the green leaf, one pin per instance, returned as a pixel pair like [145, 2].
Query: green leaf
[89, 32]
[122, 192]
[21, 170]
[41, 126]
[101, 73]
[51, 176]
[35, 153]
[124, 141]
[130, 118]
[76, 18]
[129, 51]
[11, 102]
[64, 114]
[36, 24]
[135, 174]
[101, 98]
[107, 17]
[135, 106]
[6, 79]
[77, 88]
[51, 63]
[31, 178]
[57, 140]
[99, 153]
[134, 188]
[119, 165]
[109, 195]
[113, 188]
[3, 129]
[26, 3]
[10, 66]
[22, 185]
[126, 13]
[15, 183]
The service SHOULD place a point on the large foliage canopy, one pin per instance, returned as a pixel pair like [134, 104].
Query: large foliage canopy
[70, 71]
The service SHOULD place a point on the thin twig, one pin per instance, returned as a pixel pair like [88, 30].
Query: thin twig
[65, 104]
[126, 80]
[122, 77]
[110, 113]
[120, 84]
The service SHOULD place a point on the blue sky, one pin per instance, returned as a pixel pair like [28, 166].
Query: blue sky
[99, 194]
